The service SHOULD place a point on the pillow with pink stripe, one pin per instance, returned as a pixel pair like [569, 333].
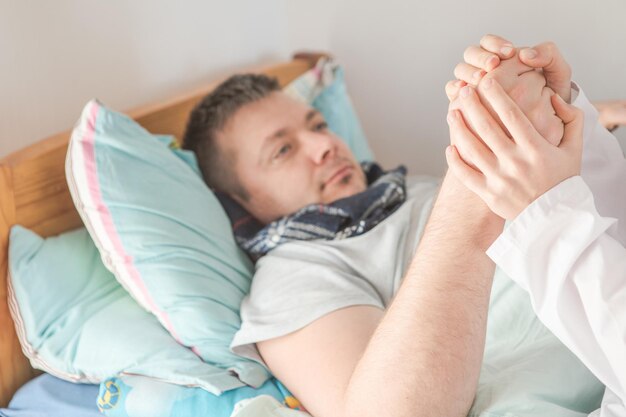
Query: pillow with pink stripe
[163, 234]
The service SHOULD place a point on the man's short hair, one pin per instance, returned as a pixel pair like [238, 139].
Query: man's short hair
[211, 115]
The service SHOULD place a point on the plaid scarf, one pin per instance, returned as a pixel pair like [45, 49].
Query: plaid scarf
[341, 219]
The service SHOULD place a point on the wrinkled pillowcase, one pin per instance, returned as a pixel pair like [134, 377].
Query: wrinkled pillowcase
[75, 322]
[158, 229]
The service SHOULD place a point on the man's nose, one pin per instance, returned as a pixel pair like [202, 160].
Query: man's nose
[319, 146]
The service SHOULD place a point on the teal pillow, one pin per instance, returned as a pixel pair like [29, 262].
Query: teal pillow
[164, 235]
[74, 320]
[335, 104]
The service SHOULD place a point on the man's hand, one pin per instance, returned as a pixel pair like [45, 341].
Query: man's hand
[527, 87]
[508, 174]
[612, 113]
[493, 49]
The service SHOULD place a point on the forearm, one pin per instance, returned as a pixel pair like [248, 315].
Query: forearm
[425, 355]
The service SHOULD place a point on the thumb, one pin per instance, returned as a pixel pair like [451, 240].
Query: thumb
[573, 121]
[556, 70]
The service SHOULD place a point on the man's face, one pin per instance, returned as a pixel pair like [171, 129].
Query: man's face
[286, 158]
[527, 87]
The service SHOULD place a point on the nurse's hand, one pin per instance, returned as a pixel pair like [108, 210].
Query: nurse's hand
[509, 174]
[492, 49]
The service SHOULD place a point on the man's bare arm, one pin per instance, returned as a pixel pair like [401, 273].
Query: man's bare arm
[422, 356]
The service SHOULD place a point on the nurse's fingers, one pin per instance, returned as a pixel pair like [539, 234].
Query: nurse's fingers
[472, 179]
[573, 120]
[481, 58]
[497, 45]
[468, 73]
[453, 87]
[557, 71]
[473, 151]
[483, 123]
[514, 120]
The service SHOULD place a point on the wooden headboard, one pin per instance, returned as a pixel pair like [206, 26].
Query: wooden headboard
[34, 193]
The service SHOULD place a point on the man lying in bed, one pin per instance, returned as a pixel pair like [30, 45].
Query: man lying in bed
[358, 305]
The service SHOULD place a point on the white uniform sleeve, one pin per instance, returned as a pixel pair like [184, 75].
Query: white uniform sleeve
[603, 166]
[567, 250]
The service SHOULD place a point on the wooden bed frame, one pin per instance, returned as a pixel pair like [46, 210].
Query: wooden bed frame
[34, 193]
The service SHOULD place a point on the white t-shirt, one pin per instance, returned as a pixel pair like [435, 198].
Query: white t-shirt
[299, 282]
[526, 371]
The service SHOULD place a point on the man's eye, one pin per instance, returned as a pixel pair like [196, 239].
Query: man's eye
[282, 151]
[320, 126]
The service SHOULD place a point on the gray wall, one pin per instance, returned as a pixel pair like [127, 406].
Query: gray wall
[398, 54]
[56, 55]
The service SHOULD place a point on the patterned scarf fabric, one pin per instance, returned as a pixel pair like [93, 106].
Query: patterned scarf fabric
[341, 219]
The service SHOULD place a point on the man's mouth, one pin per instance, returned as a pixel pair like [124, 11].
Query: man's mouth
[338, 175]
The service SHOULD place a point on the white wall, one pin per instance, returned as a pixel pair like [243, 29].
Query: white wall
[398, 54]
[56, 55]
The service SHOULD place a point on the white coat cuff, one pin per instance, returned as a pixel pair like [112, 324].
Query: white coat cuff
[540, 222]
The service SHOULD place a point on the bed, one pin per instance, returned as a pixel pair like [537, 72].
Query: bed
[34, 193]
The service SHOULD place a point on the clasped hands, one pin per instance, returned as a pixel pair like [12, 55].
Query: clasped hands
[513, 134]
